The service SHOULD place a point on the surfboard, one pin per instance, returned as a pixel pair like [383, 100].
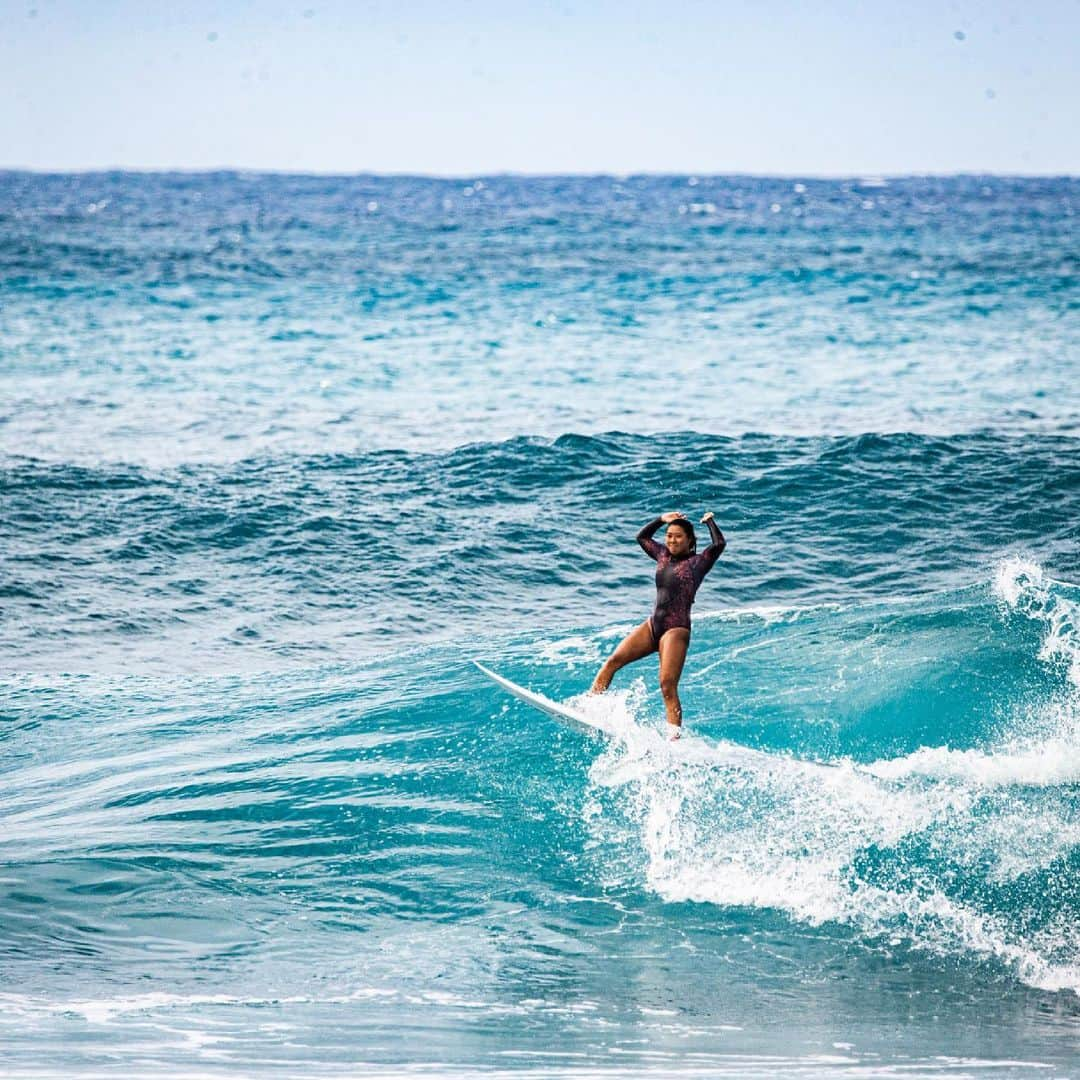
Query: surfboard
[686, 749]
[575, 717]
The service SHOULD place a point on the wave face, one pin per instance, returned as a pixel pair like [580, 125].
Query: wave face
[261, 816]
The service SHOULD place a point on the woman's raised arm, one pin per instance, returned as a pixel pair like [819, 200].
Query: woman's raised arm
[645, 539]
[716, 548]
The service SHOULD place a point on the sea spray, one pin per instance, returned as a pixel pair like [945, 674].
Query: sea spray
[1023, 587]
[938, 848]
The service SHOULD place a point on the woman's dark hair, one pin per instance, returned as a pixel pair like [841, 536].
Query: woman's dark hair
[688, 529]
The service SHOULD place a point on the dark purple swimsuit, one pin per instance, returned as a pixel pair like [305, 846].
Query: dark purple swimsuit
[677, 580]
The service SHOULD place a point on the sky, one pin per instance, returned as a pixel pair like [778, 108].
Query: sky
[453, 87]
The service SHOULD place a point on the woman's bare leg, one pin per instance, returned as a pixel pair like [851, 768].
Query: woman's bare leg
[673, 646]
[638, 643]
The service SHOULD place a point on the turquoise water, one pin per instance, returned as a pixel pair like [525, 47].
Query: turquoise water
[280, 455]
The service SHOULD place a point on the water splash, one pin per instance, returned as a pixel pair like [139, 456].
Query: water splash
[1023, 587]
[942, 849]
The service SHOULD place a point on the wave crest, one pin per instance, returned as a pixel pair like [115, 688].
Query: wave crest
[944, 850]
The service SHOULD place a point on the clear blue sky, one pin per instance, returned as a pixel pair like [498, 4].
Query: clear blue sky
[457, 87]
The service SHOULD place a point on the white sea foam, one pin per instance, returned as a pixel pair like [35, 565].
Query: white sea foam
[1045, 763]
[767, 613]
[788, 836]
[874, 846]
[1023, 587]
[579, 649]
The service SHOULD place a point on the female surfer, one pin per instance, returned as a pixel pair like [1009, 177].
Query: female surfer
[679, 573]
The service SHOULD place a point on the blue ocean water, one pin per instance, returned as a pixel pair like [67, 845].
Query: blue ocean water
[279, 455]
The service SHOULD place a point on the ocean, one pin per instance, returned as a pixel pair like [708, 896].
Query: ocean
[280, 455]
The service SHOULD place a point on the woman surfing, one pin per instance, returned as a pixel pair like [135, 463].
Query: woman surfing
[679, 573]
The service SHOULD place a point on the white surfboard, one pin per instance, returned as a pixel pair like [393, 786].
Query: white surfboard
[685, 749]
[577, 718]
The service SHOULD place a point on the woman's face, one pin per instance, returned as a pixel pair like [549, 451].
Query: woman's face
[677, 541]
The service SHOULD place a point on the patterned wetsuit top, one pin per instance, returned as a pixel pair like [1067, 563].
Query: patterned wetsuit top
[677, 580]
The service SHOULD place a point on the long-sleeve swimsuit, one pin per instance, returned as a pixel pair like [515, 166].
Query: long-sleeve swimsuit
[677, 579]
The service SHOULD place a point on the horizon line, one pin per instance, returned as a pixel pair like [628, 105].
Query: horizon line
[526, 174]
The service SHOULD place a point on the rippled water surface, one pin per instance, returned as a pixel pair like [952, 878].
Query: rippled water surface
[280, 455]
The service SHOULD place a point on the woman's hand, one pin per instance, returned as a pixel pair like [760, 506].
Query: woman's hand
[671, 515]
[708, 517]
